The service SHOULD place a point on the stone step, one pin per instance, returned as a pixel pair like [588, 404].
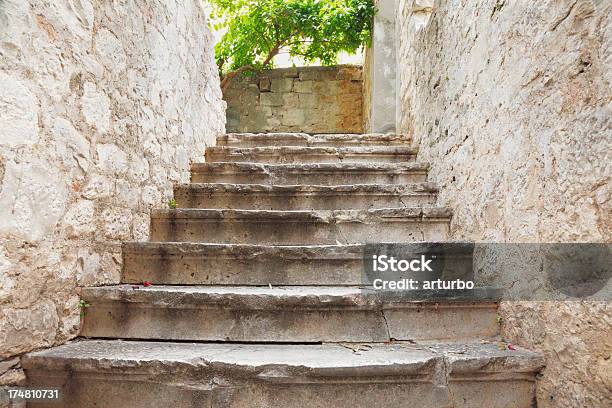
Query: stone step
[309, 173]
[138, 374]
[281, 314]
[226, 264]
[187, 263]
[301, 154]
[317, 227]
[303, 197]
[305, 139]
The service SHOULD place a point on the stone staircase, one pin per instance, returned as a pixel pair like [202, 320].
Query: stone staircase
[256, 298]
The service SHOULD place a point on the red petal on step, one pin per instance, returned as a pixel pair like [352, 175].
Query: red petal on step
[511, 347]
[146, 284]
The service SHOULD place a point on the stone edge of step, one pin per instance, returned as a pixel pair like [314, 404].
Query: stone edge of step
[249, 167]
[307, 189]
[258, 361]
[311, 139]
[321, 216]
[304, 150]
[242, 251]
[286, 297]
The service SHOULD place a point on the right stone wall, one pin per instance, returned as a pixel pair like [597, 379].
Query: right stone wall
[510, 102]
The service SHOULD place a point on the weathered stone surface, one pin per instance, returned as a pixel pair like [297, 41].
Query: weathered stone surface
[309, 173]
[18, 124]
[574, 338]
[301, 154]
[510, 102]
[304, 99]
[517, 143]
[304, 139]
[281, 314]
[303, 197]
[99, 102]
[380, 72]
[224, 264]
[262, 376]
[219, 375]
[300, 227]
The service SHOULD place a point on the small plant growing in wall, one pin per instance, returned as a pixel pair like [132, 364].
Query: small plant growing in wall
[172, 204]
[83, 305]
[256, 31]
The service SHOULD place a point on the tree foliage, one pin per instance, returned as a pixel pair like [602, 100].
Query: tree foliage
[315, 30]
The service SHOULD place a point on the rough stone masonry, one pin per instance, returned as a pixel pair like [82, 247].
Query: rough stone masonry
[102, 107]
[510, 103]
[302, 99]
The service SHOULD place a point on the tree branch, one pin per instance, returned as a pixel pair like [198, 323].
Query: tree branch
[231, 75]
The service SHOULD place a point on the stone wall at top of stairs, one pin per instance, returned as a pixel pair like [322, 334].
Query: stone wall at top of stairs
[299, 99]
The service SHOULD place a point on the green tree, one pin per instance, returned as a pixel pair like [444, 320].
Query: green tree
[315, 30]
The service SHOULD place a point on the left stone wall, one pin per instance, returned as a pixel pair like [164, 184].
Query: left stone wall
[102, 107]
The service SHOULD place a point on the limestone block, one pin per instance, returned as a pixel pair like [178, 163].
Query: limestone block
[95, 107]
[13, 377]
[310, 75]
[112, 159]
[70, 144]
[327, 87]
[151, 196]
[79, 220]
[32, 199]
[98, 187]
[265, 85]
[271, 99]
[294, 117]
[88, 267]
[110, 49]
[350, 73]
[307, 100]
[117, 223]
[290, 102]
[292, 72]
[19, 108]
[139, 169]
[141, 226]
[20, 329]
[282, 85]
[303, 86]
[126, 194]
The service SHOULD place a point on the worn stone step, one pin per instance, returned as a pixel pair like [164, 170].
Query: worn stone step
[187, 263]
[301, 154]
[309, 173]
[317, 227]
[305, 139]
[227, 264]
[138, 374]
[280, 314]
[303, 197]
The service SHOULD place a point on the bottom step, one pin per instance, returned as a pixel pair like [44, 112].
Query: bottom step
[116, 373]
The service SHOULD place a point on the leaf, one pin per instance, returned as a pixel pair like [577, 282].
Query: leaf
[356, 347]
